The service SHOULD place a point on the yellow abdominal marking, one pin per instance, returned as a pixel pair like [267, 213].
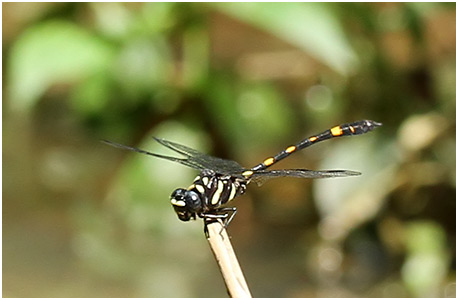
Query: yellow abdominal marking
[352, 129]
[336, 131]
[269, 161]
[217, 193]
[247, 173]
[290, 149]
[177, 202]
[313, 138]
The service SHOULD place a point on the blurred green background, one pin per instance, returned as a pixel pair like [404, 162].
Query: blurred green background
[239, 81]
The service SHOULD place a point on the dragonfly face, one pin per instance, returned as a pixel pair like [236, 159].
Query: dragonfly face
[186, 204]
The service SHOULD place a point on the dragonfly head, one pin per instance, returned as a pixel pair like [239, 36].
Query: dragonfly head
[186, 203]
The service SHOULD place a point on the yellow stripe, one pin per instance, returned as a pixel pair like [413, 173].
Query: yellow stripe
[352, 129]
[217, 193]
[290, 149]
[269, 161]
[336, 131]
[313, 138]
[233, 190]
[200, 188]
[205, 180]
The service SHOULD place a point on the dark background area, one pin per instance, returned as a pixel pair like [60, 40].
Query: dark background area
[239, 81]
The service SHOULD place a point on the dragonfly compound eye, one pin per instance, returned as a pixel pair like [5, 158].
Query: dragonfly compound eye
[186, 204]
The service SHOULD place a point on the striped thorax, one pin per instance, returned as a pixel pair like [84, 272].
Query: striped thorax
[207, 193]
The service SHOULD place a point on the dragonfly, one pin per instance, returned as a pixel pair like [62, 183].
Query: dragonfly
[222, 180]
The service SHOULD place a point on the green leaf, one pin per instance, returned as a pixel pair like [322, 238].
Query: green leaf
[427, 255]
[50, 53]
[310, 26]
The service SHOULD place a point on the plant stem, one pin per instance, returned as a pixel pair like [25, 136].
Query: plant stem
[227, 261]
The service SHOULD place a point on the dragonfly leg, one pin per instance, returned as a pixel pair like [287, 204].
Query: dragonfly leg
[223, 215]
[231, 211]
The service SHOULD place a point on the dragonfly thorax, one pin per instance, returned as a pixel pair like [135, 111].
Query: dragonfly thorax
[206, 194]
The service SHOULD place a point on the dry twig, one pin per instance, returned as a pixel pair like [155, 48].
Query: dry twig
[227, 261]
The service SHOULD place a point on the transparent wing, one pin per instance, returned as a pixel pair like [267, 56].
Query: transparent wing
[193, 158]
[223, 166]
[262, 176]
[171, 158]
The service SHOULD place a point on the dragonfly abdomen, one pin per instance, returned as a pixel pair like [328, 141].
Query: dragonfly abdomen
[355, 128]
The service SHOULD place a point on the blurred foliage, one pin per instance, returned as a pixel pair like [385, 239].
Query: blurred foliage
[239, 81]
